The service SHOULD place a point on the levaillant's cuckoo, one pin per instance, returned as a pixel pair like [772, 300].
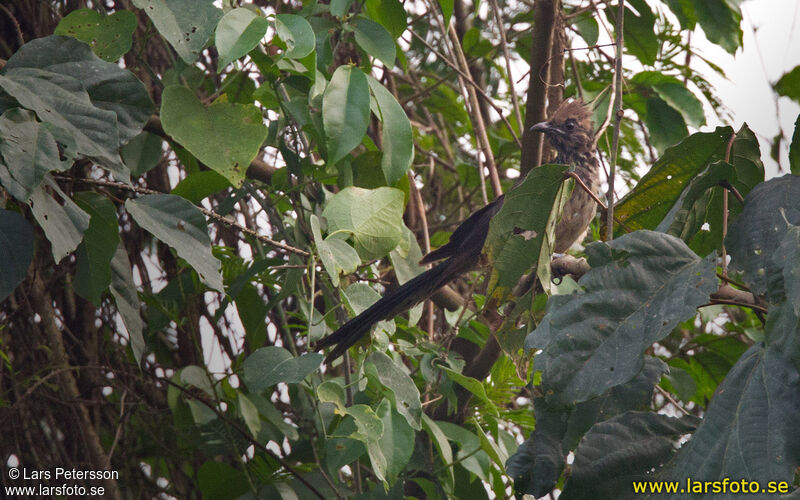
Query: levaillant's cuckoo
[570, 133]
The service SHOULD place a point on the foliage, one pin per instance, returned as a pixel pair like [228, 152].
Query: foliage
[192, 195]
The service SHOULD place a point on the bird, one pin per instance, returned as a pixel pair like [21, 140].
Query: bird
[570, 132]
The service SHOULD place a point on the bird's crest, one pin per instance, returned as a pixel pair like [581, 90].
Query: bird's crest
[576, 110]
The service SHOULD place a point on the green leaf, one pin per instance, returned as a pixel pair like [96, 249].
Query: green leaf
[441, 443]
[769, 210]
[142, 153]
[396, 136]
[721, 22]
[397, 441]
[665, 123]
[339, 8]
[592, 340]
[345, 111]
[179, 224]
[405, 393]
[110, 37]
[375, 231]
[185, 24]
[587, 27]
[789, 84]
[521, 234]
[674, 93]
[684, 11]
[640, 440]
[16, 250]
[447, 10]
[63, 225]
[331, 391]
[250, 414]
[637, 30]
[647, 204]
[197, 377]
[198, 186]
[270, 365]
[127, 299]
[375, 40]
[469, 454]
[297, 34]
[474, 386]
[336, 255]
[390, 13]
[224, 136]
[491, 449]
[787, 256]
[274, 417]
[369, 430]
[220, 480]
[99, 245]
[28, 152]
[238, 32]
[794, 149]
[749, 431]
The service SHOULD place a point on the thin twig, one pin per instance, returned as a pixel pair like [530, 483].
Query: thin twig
[728, 149]
[618, 115]
[504, 46]
[669, 398]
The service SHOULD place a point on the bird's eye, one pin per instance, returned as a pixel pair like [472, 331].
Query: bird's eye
[570, 124]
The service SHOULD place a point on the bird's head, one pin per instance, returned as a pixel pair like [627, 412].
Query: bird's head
[570, 129]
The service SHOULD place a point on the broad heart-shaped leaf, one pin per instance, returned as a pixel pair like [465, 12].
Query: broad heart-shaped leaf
[375, 40]
[539, 461]
[224, 136]
[28, 151]
[639, 440]
[99, 244]
[62, 101]
[345, 111]
[109, 87]
[185, 24]
[374, 217]
[182, 226]
[674, 93]
[397, 441]
[16, 250]
[391, 376]
[521, 234]
[127, 299]
[63, 225]
[296, 33]
[721, 22]
[750, 428]
[759, 231]
[396, 136]
[647, 204]
[272, 364]
[110, 37]
[238, 32]
[639, 288]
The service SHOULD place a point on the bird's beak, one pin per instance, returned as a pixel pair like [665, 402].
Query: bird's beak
[542, 127]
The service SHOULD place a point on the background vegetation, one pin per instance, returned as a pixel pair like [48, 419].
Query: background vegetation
[194, 191]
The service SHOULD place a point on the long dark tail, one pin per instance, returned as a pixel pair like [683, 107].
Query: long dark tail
[390, 305]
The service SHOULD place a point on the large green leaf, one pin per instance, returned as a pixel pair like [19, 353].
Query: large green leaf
[390, 13]
[637, 29]
[397, 440]
[442, 445]
[789, 84]
[391, 376]
[182, 226]
[238, 32]
[396, 136]
[142, 153]
[222, 481]
[270, 365]
[16, 250]
[185, 24]
[374, 218]
[521, 234]
[110, 37]
[296, 33]
[665, 123]
[224, 136]
[640, 441]
[345, 111]
[674, 93]
[63, 225]
[28, 151]
[110, 87]
[794, 149]
[98, 247]
[127, 299]
[337, 255]
[647, 204]
[750, 429]
[721, 21]
[593, 340]
[769, 210]
[374, 39]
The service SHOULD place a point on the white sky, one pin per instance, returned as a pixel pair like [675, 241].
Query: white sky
[771, 48]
